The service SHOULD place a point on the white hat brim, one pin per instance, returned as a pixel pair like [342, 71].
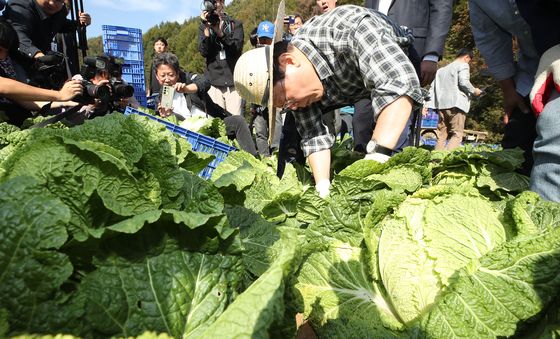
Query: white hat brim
[278, 33]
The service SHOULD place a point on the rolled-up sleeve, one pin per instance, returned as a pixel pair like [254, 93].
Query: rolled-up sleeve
[315, 136]
[385, 68]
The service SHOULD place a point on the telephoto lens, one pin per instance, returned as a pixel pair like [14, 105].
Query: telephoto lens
[92, 91]
[122, 90]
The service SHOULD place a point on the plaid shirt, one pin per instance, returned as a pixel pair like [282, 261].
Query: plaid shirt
[357, 53]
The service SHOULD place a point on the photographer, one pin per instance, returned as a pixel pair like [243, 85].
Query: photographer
[36, 23]
[190, 98]
[221, 43]
[295, 24]
[104, 90]
[17, 99]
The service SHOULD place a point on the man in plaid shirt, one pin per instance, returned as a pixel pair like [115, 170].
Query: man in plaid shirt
[335, 59]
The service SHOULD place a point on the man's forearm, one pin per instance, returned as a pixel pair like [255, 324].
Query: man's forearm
[15, 90]
[392, 121]
[507, 85]
[320, 163]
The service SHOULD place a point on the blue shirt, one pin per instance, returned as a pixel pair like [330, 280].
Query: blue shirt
[494, 23]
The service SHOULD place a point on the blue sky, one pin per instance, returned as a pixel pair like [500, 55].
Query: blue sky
[142, 14]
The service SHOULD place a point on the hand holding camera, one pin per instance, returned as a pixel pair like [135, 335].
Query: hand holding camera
[211, 17]
[70, 89]
[289, 20]
[165, 107]
[210, 13]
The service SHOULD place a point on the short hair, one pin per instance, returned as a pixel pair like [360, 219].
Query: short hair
[162, 39]
[297, 15]
[168, 59]
[253, 37]
[280, 48]
[465, 51]
[8, 36]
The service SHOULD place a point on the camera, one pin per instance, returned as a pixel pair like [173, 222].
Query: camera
[210, 7]
[108, 94]
[92, 92]
[48, 71]
[289, 20]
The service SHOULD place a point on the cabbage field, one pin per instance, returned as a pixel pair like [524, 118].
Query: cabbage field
[107, 231]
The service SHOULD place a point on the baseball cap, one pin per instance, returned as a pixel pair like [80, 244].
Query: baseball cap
[266, 30]
[253, 71]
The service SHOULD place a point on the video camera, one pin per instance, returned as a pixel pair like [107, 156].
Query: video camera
[48, 71]
[210, 7]
[111, 93]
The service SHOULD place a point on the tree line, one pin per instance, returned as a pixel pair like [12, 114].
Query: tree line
[485, 114]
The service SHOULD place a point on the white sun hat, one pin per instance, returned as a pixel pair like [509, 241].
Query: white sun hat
[253, 71]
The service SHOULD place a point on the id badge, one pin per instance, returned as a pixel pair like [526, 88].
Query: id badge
[222, 54]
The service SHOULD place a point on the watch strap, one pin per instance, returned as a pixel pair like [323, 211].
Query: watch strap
[380, 149]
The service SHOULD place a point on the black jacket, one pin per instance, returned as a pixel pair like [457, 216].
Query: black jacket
[203, 86]
[155, 87]
[201, 99]
[35, 29]
[220, 72]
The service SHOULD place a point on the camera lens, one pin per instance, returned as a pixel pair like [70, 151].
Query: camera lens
[208, 6]
[102, 93]
[122, 90]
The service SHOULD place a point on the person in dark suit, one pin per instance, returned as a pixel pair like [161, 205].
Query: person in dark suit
[429, 21]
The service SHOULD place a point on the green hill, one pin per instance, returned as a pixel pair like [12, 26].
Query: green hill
[183, 39]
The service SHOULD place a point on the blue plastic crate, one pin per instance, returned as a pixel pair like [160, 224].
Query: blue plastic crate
[428, 142]
[199, 142]
[430, 120]
[126, 43]
[151, 101]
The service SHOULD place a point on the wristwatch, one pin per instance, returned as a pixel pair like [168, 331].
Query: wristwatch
[374, 147]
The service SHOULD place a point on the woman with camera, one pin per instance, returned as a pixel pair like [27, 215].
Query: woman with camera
[190, 98]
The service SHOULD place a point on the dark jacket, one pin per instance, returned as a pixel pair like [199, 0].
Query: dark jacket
[429, 21]
[35, 29]
[220, 72]
[155, 87]
[203, 86]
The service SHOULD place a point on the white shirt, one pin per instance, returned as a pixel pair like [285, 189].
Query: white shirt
[181, 105]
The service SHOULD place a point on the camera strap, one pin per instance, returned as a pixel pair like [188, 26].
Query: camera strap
[55, 118]
[64, 51]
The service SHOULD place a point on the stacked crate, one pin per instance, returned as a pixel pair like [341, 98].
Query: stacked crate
[126, 43]
[430, 120]
[199, 142]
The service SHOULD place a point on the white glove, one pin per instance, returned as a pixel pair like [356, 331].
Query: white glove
[323, 188]
[547, 79]
[379, 157]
